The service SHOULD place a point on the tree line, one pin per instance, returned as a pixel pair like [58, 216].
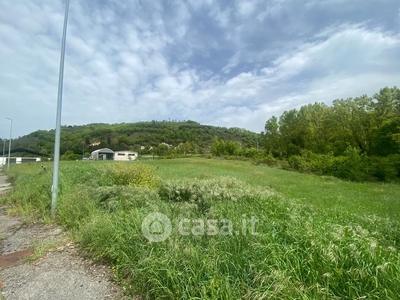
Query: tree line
[354, 138]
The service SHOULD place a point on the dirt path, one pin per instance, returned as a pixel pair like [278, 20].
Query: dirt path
[60, 273]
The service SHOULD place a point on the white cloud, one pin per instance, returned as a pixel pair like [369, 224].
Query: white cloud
[348, 62]
[222, 16]
[216, 63]
[347, 50]
[245, 9]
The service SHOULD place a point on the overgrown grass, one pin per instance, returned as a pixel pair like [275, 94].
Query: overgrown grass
[324, 192]
[317, 237]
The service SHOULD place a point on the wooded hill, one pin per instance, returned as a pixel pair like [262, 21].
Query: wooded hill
[189, 136]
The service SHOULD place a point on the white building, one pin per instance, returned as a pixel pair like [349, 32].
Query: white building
[18, 160]
[102, 154]
[125, 155]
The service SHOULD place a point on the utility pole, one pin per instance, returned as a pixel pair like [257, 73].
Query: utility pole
[56, 164]
[4, 150]
[9, 144]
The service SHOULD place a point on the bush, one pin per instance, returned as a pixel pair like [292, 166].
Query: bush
[202, 192]
[220, 189]
[395, 161]
[354, 165]
[268, 160]
[297, 162]
[133, 174]
[114, 198]
[357, 166]
[382, 168]
[252, 153]
[309, 162]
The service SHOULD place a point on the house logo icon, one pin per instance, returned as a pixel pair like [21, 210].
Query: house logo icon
[156, 227]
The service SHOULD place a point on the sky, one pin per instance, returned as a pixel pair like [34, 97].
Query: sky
[225, 63]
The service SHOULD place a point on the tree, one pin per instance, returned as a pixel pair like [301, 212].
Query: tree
[356, 121]
[231, 148]
[387, 104]
[316, 121]
[272, 138]
[70, 155]
[292, 133]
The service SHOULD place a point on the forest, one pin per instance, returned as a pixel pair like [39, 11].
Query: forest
[355, 138]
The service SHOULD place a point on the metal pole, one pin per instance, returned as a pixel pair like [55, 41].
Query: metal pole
[9, 144]
[4, 150]
[56, 165]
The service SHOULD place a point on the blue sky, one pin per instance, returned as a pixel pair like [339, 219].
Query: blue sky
[224, 63]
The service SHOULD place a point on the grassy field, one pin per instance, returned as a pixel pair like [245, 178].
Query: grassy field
[237, 231]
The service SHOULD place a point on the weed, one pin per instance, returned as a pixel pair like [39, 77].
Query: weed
[317, 237]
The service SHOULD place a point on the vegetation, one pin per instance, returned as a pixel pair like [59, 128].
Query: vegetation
[317, 237]
[370, 124]
[250, 231]
[155, 137]
[356, 139]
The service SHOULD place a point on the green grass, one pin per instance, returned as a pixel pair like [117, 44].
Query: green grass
[321, 191]
[317, 237]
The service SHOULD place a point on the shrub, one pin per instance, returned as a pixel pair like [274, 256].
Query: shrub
[268, 160]
[354, 165]
[220, 189]
[133, 174]
[296, 162]
[382, 168]
[203, 192]
[395, 161]
[310, 162]
[114, 198]
[357, 166]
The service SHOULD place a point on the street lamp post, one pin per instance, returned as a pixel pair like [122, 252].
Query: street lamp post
[9, 144]
[4, 150]
[56, 164]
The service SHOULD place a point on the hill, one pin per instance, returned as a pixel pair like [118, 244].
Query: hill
[191, 136]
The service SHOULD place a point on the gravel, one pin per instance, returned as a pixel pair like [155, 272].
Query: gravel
[59, 275]
[62, 273]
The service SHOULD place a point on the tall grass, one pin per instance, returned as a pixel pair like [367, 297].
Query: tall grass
[305, 247]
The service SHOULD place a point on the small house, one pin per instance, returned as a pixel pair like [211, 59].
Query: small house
[125, 155]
